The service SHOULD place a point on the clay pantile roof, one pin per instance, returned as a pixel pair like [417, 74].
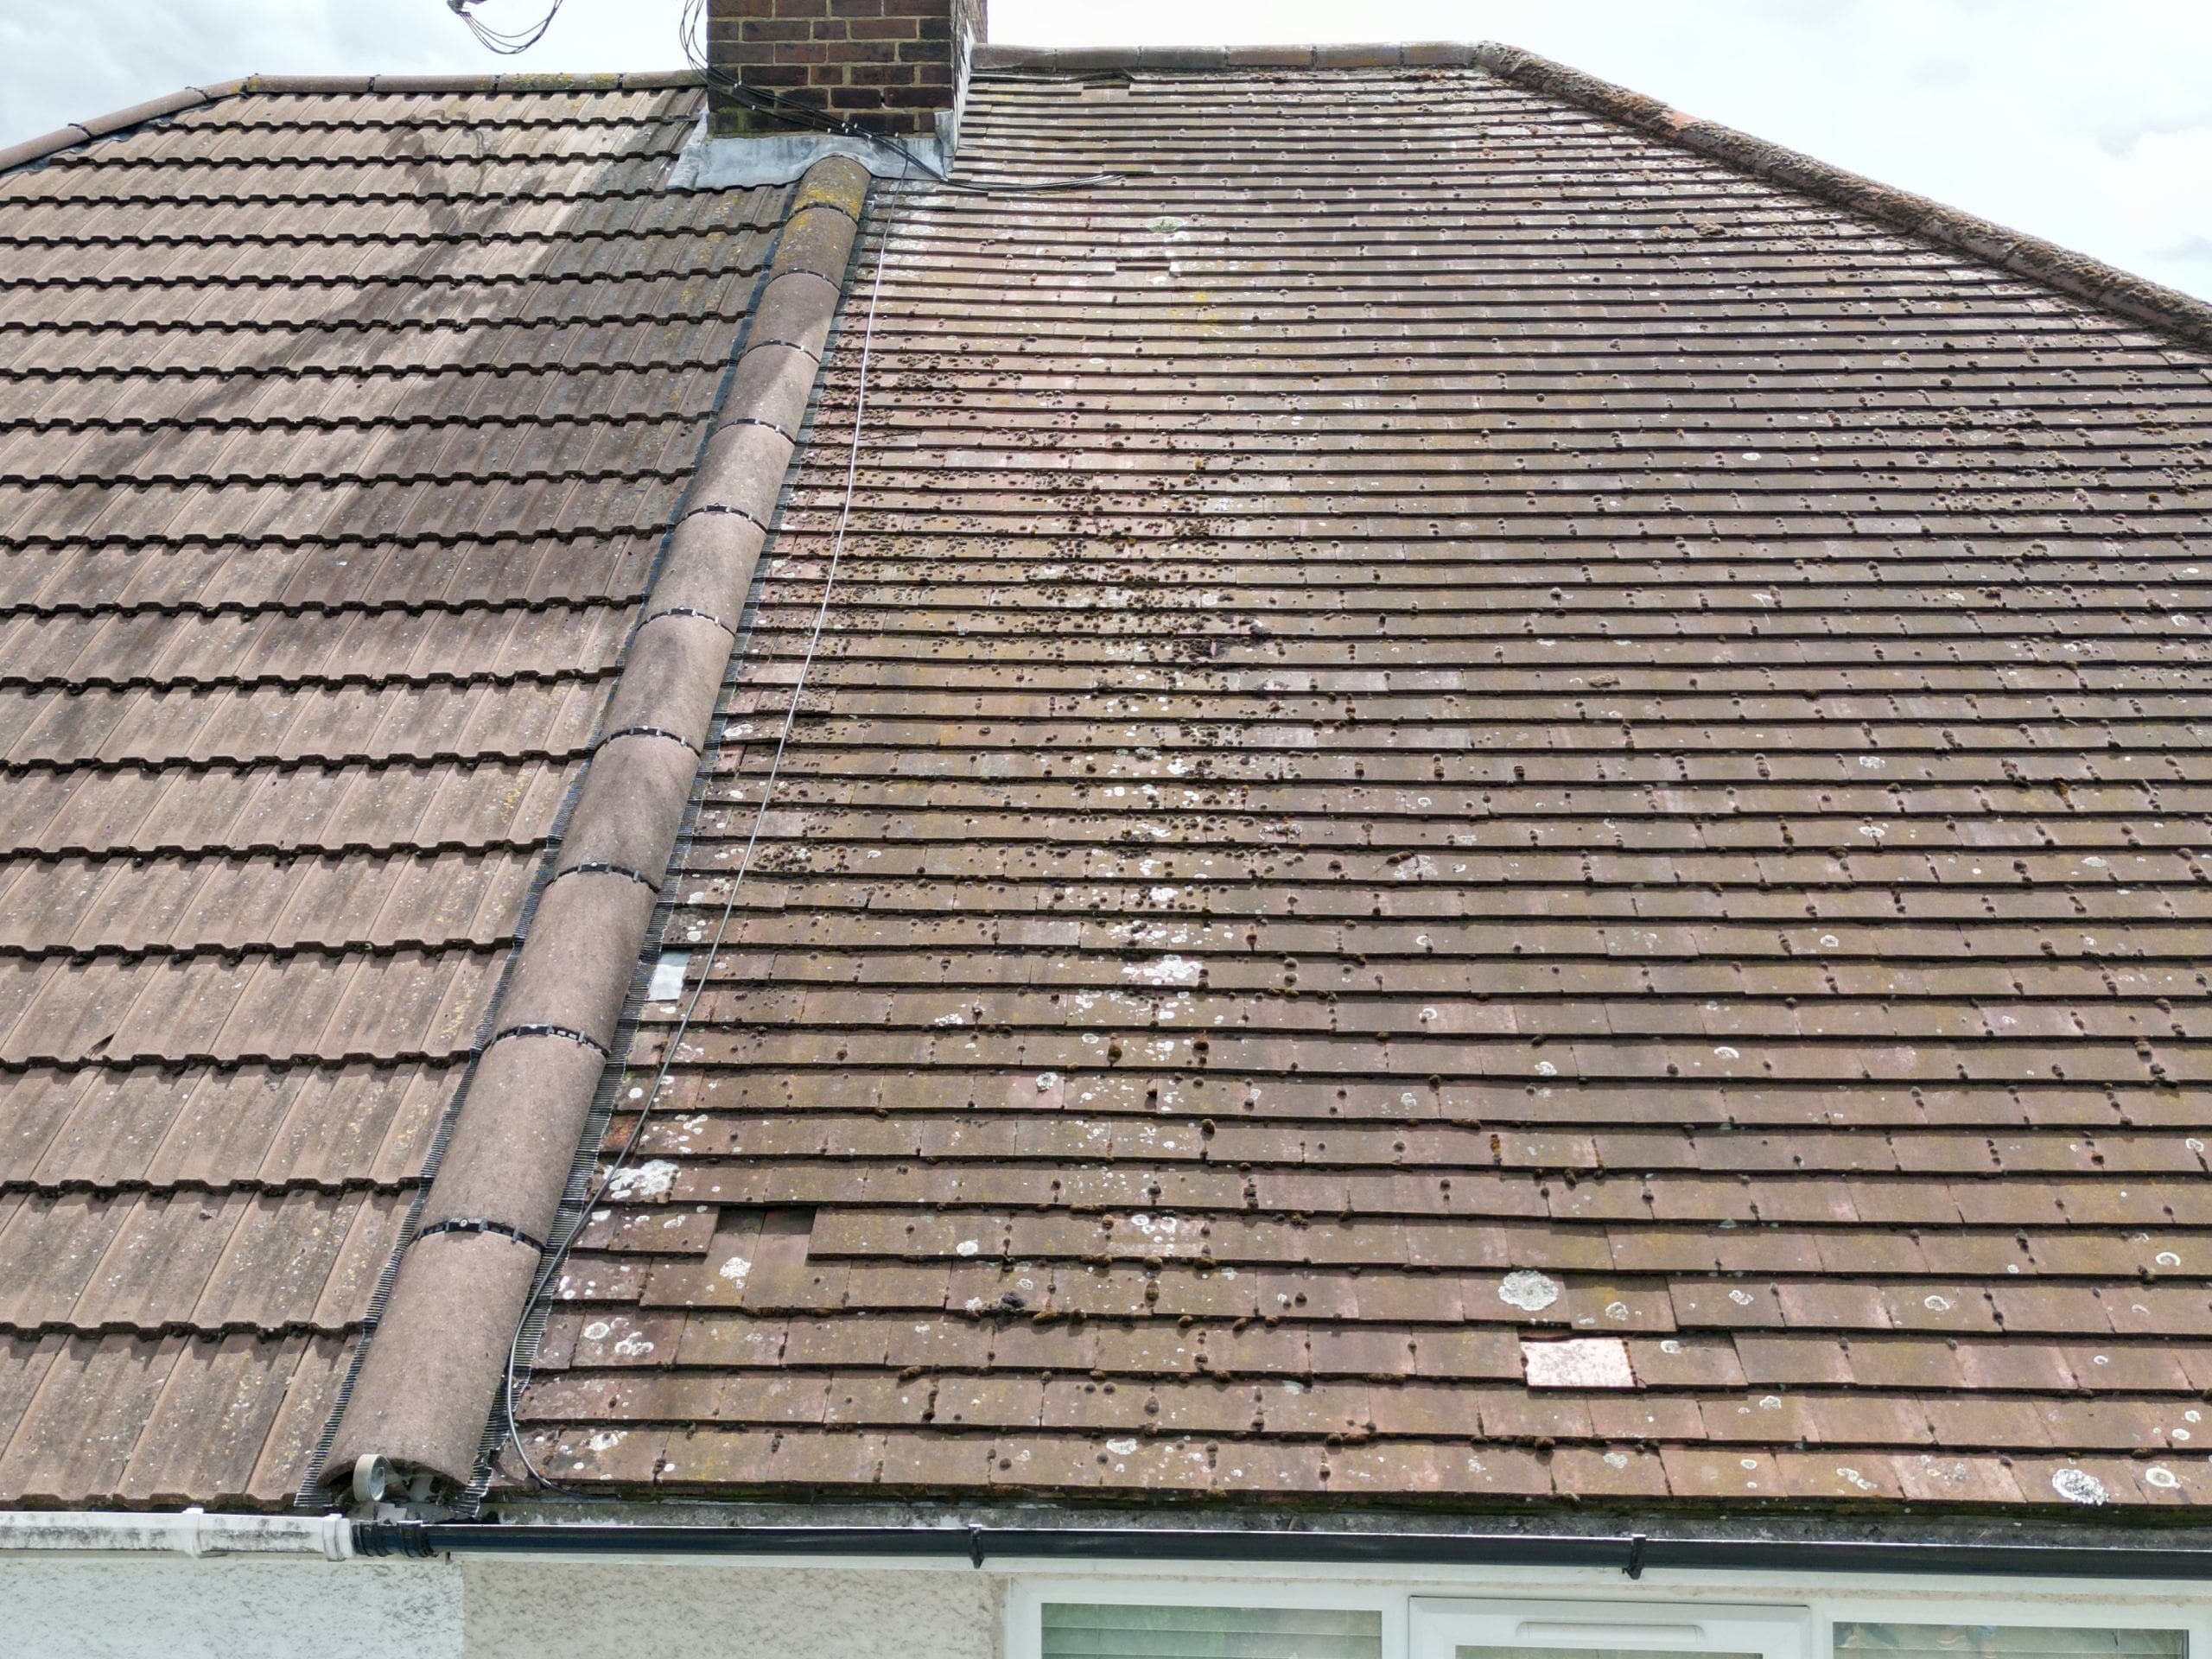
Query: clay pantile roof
[1491, 810]
[342, 424]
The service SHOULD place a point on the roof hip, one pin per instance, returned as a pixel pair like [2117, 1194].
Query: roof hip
[432, 1369]
[2075, 274]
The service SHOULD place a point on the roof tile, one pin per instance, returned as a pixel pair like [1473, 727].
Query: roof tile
[308, 610]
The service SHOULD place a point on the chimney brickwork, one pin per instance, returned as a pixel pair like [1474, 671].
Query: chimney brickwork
[889, 66]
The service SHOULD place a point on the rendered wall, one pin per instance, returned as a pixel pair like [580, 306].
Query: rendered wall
[551, 1610]
[168, 1607]
[172, 1607]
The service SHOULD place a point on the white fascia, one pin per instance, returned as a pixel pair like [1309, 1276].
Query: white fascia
[192, 1532]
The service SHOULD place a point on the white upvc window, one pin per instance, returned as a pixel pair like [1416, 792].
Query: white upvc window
[1466, 1628]
[1134, 1617]
[1858, 1638]
[1080, 1630]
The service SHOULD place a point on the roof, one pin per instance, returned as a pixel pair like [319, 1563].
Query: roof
[1491, 812]
[345, 422]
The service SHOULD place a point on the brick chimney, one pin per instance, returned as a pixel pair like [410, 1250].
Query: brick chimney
[889, 66]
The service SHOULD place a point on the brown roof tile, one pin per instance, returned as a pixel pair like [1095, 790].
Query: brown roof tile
[344, 426]
[1606, 750]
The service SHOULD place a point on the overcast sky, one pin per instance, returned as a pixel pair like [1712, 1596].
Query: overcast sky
[2090, 124]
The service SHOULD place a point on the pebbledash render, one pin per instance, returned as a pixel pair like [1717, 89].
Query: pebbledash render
[1322, 853]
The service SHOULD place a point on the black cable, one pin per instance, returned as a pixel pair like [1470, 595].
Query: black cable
[765, 102]
[506, 42]
[689, 30]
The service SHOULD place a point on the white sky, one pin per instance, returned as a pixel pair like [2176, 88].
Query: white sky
[2088, 124]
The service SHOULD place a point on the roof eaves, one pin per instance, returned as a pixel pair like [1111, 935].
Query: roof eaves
[2077, 274]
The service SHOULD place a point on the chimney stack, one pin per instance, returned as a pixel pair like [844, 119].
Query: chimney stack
[888, 65]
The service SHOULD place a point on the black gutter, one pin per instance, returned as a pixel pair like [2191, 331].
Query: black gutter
[1632, 1554]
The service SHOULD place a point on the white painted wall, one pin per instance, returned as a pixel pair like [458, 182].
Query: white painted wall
[173, 1607]
[609, 1610]
[169, 1607]
[150, 1606]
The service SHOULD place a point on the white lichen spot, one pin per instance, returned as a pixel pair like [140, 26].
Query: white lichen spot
[605, 1440]
[1047, 1081]
[1741, 1297]
[1727, 1053]
[2161, 1476]
[1616, 1459]
[1162, 970]
[734, 1269]
[1854, 1478]
[651, 1180]
[1546, 1068]
[1617, 1310]
[966, 1246]
[1122, 1448]
[633, 1346]
[1937, 1304]
[2078, 1486]
[597, 1331]
[1527, 1289]
[1669, 1346]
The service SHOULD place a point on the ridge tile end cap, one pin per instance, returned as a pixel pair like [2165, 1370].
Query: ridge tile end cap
[837, 182]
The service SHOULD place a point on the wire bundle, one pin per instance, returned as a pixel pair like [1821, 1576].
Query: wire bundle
[692, 33]
[506, 43]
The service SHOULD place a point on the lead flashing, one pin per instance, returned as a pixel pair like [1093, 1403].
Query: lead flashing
[432, 1372]
[736, 163]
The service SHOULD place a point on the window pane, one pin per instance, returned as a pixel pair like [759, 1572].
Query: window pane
[1085, 1631]
[2003, 1642]
[1587, 1653]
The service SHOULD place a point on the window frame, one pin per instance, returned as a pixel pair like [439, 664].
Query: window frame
[1026, 1599]
[1828, 1611]
[2033, 1604]
[1437, 1625]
